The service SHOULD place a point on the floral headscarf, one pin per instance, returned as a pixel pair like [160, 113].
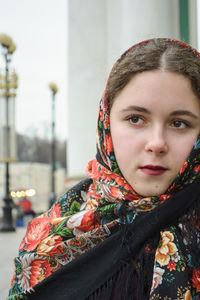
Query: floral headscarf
[104, 213]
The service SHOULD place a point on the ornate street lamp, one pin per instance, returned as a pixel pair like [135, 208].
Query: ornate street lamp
[52, 199]
[9, 85]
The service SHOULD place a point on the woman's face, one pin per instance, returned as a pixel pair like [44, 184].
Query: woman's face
[155, 121]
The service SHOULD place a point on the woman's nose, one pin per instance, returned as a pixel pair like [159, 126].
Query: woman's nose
[157, 143]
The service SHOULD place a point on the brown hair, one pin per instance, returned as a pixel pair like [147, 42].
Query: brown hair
[156, 54]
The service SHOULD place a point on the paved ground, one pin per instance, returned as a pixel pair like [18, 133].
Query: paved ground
[9, 244]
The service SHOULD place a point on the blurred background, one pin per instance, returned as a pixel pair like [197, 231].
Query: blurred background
[55, 56]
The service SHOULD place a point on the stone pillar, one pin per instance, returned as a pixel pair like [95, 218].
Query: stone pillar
[132, 21]
[193, 22]
[148, 19]
[86, 79]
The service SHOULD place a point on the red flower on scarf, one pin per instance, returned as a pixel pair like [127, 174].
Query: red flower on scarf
[92, 169]
[164, 197]
[50, 246]
[84, 221]
[106, 174]
[183, 167]
[197, 168]
[114, 193]
[171, 265]
[106, 122]
[40, 269]
[196, 279]
[56, 211]
[87, 222]
[121, 182]
[109, 146]
[36, 231]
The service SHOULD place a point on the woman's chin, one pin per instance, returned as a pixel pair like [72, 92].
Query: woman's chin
[151, 191]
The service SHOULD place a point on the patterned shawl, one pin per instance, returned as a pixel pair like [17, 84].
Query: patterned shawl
[102, 240]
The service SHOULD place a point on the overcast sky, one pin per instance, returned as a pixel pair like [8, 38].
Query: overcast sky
[39, 30]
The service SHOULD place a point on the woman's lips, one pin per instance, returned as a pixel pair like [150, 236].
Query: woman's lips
[153, 170]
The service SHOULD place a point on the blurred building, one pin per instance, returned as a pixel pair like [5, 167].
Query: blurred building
[98, 32]
[26, 176]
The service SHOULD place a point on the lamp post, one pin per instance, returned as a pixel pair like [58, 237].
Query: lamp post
[8, 48]
[52, 199]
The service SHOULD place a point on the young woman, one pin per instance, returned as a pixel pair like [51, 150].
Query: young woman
[132, 229]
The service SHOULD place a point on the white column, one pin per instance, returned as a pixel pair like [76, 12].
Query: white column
[114, 31]
[193, 22]
[148, 19]
[129, 22]
[86, 79]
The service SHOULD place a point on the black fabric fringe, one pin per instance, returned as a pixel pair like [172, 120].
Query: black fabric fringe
[120, 286]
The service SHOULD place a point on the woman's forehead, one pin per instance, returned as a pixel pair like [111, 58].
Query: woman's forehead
[157, 89]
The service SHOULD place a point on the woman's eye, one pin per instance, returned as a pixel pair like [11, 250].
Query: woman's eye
[179, 124]
[136, 120]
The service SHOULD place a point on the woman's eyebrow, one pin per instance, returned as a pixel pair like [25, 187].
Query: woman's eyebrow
[184, 113]
[174, 113]
[136, 108]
